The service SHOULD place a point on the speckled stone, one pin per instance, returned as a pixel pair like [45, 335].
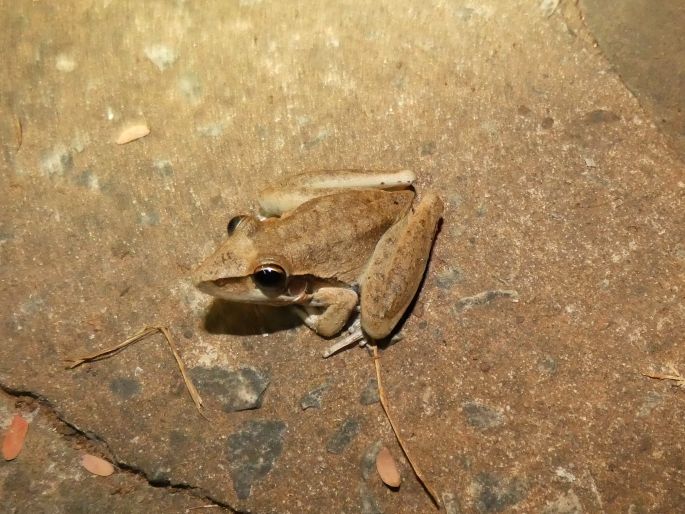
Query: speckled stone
[368, 502]
[369, 395]
[347, 431]
[312, 399]
[482, 416]
[496, 493]
[368, 460]
[236, 390]
[566, 503]
[124, 387]
[252, 452]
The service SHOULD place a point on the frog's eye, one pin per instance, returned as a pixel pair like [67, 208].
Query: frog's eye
[234, 222]
[270, 278]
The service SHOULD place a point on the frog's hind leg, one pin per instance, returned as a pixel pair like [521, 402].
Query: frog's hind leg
[293, 191]
[328, 309]
[397, 266]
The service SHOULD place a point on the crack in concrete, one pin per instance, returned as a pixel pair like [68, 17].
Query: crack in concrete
[123, 466]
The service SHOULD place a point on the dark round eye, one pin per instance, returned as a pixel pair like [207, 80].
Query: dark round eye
[270, 278]
[233, 224]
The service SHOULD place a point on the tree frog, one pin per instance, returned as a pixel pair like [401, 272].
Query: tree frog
[330, 244]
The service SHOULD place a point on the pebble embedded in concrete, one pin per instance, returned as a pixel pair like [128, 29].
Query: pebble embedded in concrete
[369, 395]
[346, 433]
[236, 390]
[495, 493]
[312, 399]
[482, 416]
[252, 452]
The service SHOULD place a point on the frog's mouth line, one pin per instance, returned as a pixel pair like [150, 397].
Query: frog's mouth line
[242, 290]
[244, 294]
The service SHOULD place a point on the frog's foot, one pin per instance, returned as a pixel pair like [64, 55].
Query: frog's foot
[328, 309]
[353, 336]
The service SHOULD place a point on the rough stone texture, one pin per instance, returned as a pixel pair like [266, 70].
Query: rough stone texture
[369, 394]
[645, 43]
[482, 416]
[234, 390]
[252, 452]
[557, 185]
[47, 476]
[312, 399]
[344, 435]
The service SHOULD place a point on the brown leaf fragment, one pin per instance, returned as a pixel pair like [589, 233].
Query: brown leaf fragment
[18, 132]
[14, 437]
[387, 468]
[96, 465]
[132, 132]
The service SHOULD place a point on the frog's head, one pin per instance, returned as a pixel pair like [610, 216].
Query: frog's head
[240, 271]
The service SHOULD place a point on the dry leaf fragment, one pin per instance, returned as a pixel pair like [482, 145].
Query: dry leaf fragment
[675, 376]
[14, 438]
[18, 132]
[132, 132]
[145, 332]
[96, 465]
[387, 468]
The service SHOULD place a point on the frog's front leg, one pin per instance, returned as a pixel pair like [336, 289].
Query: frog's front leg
[397, 266]
[293, 191]
[327, 309]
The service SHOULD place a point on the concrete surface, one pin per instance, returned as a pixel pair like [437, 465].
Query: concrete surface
[645, 43]
[558, 185]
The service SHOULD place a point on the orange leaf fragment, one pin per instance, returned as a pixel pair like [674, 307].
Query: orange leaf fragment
[132, 132]
[387, 468]
[14, 438]
[96, 465]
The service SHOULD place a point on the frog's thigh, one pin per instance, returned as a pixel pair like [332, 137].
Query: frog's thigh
[396, 267]
[293, 191]
[329, 310]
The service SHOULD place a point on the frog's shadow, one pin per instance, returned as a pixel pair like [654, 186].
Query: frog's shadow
[244, 319]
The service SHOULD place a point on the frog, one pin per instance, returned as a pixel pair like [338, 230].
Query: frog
[345, 249]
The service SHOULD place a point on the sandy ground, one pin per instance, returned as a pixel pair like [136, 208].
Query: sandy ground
[555, 284]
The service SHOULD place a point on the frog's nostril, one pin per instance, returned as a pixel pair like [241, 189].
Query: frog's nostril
[221, 282]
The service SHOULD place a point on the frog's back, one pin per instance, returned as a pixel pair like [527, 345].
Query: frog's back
[334, 236]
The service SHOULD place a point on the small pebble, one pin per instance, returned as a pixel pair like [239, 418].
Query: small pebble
[132, 132]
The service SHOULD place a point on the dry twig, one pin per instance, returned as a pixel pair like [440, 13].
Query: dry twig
[143, 334]
[208, 506]
[675, 376]
[384, 403]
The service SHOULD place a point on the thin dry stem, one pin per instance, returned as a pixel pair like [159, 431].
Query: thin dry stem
[675, 376]
[208, 506]
[384, 403]
[197, 400]
[142, 334]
